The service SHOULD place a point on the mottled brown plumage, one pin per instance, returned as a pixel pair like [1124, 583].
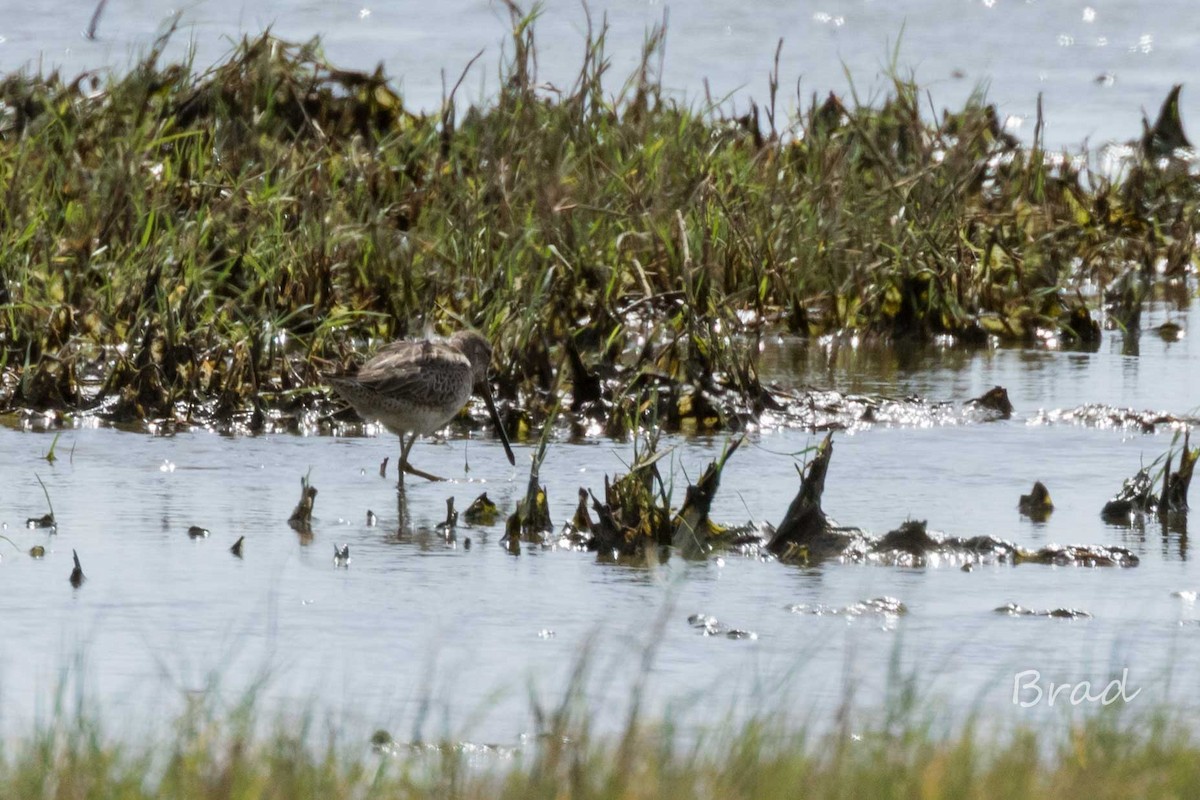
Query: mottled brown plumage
[417, 386]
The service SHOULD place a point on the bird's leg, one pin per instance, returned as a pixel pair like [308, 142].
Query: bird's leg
[402, 466]
[404, 525]
[409, 468]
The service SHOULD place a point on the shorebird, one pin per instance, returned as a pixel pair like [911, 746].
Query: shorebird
[416, 386]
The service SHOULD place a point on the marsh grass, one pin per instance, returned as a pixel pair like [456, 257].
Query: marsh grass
[197, 245]
[232, 754]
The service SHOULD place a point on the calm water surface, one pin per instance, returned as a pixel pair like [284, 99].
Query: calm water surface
[1098, 62]
[478, 631]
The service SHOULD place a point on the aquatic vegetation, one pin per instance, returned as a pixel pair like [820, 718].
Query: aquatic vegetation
[633, 521]
[447, 526]
[199, 246]
[482, 511]
[46, 520]
[1036, 505]
[807, 536]
[693, 530]
[1139, 494]
[530, 521]
[301, 517]
[50, 455]
[633, 517]
[806, 533]
[1014, 610]
[77, 577]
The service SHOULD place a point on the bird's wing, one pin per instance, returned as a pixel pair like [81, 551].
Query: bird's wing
[407, 370]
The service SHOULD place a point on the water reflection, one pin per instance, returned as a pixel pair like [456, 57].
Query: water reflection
[1131, 346]
[1122, 369]
[1143, 531]
[868, 366]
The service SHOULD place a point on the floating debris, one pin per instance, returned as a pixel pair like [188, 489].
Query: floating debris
[546, 633]
[236, 549]
[827, 410]
[341, 555]
[886, 606]
[37, 551]
[1098, 415]
[372, 520]
[196, 532]
[738, 633]
[77, 577]
[1037, 504]
[711, 626]
[1079, 555]
[1014, 610]
[44, 521]
[996, 400]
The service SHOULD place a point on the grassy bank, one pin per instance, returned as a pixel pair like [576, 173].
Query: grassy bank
[1107, 756]
[198, 246]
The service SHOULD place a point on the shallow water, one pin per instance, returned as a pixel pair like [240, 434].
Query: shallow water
[1097, 63]
[419, 630]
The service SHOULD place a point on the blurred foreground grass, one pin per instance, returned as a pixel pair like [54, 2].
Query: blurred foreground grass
[1104, 756]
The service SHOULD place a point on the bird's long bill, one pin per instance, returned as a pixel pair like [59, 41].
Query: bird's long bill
[486, 391]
